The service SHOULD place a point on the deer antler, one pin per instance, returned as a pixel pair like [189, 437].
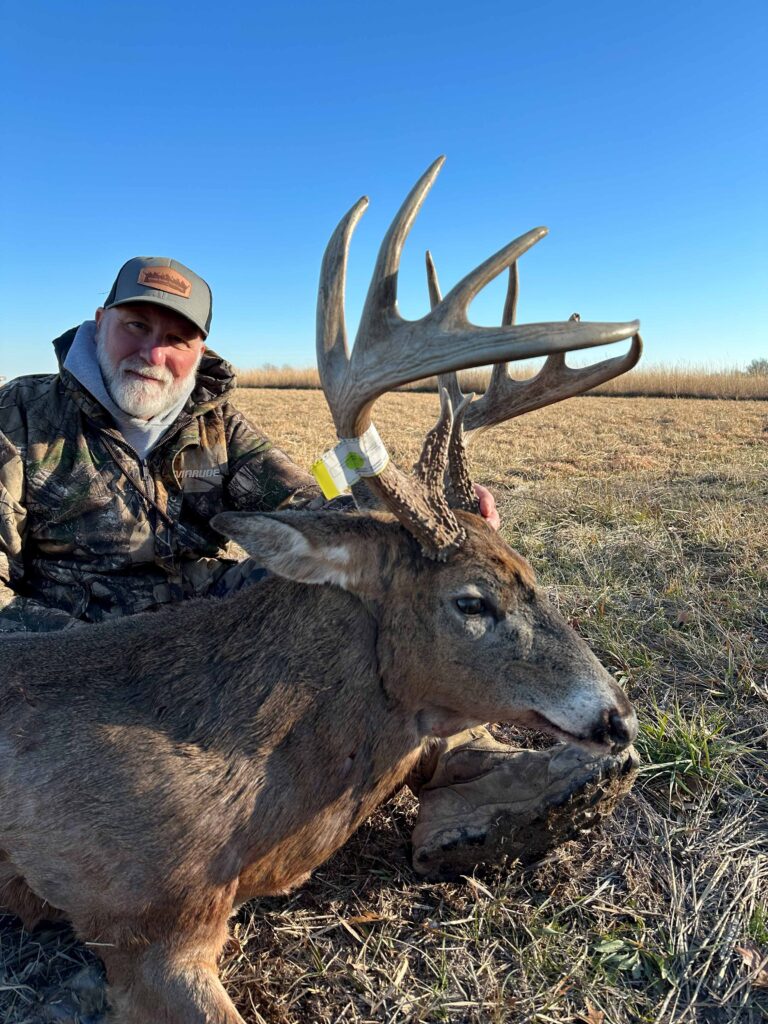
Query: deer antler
[390, 351]
[505, 397]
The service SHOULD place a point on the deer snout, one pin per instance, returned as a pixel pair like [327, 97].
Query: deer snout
[617, 727]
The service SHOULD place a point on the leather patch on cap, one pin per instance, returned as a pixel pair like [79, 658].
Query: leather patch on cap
[165, 280]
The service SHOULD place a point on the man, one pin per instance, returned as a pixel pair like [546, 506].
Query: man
[110, 471]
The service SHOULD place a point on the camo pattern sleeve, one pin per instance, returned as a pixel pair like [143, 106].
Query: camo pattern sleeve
[262, 477]
[17, 613]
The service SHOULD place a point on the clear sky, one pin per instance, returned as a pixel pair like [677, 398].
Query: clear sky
[233, 136]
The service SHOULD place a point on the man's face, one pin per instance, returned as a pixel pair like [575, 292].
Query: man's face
[148, 356]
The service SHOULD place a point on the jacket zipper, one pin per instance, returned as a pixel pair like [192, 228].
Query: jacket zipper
[144, 473]
[148, 492]
[146, 479]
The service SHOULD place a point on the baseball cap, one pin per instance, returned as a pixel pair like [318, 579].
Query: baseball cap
[165, 282]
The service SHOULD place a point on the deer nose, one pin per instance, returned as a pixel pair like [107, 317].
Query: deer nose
[622, 728]
[616, 727]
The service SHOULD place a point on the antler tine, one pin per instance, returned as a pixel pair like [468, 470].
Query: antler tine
[506, 398]
[435, 295]
[430, 468]
[510, 299]
[458, 480]
[457, 301]
[449, 381]
[381, 300]
[499, 370]
[420, 501]
[332, 348]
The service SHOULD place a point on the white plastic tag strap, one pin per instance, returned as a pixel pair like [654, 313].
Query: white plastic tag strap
[336, 470]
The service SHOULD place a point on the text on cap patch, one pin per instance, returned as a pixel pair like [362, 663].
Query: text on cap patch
[165, 280]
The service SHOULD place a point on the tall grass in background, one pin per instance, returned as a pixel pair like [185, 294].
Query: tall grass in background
[653, 381]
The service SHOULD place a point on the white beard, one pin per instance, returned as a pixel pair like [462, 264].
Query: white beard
[143, 399]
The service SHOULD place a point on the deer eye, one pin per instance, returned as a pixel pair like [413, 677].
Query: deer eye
[471, 605]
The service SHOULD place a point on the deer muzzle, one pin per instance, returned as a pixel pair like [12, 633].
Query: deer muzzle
[606, 722]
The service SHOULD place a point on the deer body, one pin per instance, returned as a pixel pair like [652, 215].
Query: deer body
[150, 780]
[220, 758]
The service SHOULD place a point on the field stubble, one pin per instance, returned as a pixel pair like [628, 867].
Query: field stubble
[646, 519]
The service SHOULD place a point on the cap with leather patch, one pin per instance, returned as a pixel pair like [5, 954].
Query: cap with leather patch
[164, 282]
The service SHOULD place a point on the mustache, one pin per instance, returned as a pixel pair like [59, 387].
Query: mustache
[137, 365]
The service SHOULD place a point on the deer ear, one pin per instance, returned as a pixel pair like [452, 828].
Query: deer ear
[302, 546]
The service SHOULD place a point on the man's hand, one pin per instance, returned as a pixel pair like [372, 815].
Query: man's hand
[488, 509]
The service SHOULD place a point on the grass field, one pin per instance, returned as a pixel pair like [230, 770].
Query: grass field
[647, 519]
[648, 381]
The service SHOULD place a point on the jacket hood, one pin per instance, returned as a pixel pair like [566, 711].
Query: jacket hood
[216, 378]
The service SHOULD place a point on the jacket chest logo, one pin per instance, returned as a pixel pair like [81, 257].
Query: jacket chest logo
[200, 474]
[199, 479]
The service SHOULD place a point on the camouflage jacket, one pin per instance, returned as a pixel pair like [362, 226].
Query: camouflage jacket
[88, 530]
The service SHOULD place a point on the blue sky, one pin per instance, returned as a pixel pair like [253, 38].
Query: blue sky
[233, 136]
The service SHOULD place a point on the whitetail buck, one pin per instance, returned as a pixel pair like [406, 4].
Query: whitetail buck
[158, 770]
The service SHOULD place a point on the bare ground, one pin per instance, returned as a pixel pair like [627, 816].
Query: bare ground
[647, 518]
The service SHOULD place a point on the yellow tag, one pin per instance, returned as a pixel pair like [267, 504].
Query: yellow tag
[353, 457]
[323, 476]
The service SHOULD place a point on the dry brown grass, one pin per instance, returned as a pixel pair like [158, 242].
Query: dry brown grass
[660, 381]
[647, 519]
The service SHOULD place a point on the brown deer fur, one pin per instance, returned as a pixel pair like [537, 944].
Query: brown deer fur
[159, 770]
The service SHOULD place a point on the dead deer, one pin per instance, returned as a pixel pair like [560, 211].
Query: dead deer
[157, 771]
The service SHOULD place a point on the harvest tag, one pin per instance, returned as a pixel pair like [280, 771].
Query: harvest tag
[340, 467]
